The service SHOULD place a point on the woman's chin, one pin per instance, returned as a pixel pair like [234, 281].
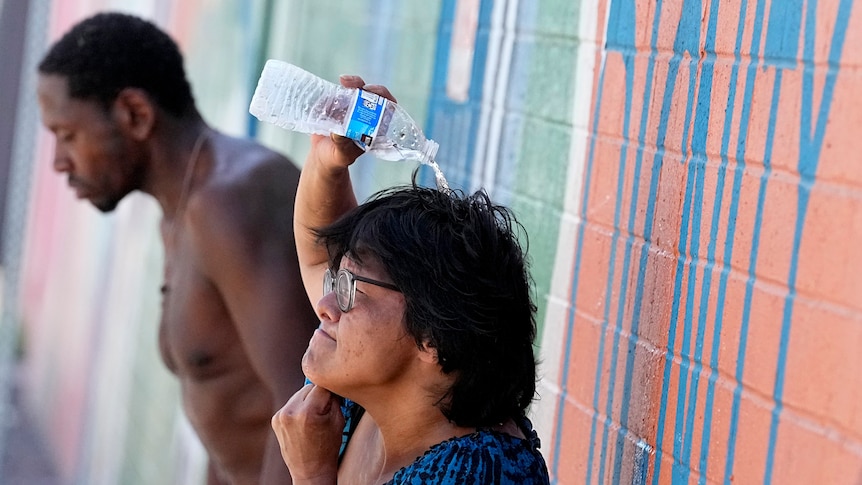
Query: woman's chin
[311, 370]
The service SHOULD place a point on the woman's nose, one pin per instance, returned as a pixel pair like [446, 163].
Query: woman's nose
[327, 307]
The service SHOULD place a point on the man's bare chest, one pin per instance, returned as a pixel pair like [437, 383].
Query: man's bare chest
[196, 330]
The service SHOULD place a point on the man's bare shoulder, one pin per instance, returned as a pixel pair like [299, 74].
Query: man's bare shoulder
[243, 164]
[248, 189]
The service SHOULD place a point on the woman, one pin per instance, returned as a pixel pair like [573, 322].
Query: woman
[426, 328]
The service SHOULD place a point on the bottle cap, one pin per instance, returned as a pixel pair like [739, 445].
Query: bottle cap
[430, 151]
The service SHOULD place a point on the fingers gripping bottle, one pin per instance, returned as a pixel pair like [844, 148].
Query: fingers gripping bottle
[292, 98]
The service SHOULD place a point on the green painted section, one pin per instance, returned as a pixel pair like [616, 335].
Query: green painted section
[540, 189]
[541, 93]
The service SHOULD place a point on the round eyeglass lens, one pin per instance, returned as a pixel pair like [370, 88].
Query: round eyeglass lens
[327, 282]
[342, 290]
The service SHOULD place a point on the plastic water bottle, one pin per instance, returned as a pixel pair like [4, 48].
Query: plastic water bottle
[293, 98]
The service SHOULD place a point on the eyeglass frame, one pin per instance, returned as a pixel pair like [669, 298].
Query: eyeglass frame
[330, 285]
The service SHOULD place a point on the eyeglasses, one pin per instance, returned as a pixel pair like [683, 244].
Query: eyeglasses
[344, 285]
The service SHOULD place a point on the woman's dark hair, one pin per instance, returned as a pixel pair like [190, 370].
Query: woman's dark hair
[464, 276]
[108, 52]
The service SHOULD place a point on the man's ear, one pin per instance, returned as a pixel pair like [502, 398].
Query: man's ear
[135, 112]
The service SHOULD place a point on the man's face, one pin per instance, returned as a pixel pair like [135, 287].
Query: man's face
[90, 147]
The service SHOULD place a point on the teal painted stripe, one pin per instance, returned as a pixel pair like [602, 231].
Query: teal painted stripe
[597, 384]
[689, 30]
[453, 124]
[744, 122]
[625, 30]
[576, 271]
[622, 37]
[687, 40]
[728, 247]
[698, 143]
[761, 201]
[810, 146]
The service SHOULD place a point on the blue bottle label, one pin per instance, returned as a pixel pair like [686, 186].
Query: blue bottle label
[365, 117]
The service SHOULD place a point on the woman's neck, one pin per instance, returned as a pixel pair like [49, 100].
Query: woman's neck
[394, 434]
[405, 440]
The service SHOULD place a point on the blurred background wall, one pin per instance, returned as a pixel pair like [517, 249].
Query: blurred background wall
[688, 171]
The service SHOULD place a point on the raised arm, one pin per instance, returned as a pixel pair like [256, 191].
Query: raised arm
[309, 426]
[324, 194]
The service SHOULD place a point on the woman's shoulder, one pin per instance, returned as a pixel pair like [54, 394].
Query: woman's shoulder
[483, 457]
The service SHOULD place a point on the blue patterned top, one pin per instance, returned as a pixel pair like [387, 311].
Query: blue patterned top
[483, 457]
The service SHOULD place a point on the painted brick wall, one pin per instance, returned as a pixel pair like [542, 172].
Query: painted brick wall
[689, 176]
[707, 317]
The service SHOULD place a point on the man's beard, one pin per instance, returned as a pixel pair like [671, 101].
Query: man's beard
[106, 204]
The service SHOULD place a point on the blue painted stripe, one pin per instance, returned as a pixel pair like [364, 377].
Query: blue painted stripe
[690, 28]
[782, 37]
[621, 26]
[641, 465]
[648, 224]
[621, 182]
[712, 247]
[698, 143]
[601, 357]
[809, 158]
[439, 107]
[758, 221]
[477, 83]
[687, 40]
[755, 244]
[672, 71]
[620, 439]
[621, 38]
[567, 353]
[699, 164]
[679, 468]
[744, 121]
[452, 124]
[441, 54]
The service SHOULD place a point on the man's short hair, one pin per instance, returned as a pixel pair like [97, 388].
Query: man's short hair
[108, 52]
[468, 292]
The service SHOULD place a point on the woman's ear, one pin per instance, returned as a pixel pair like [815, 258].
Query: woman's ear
[428, 354]
[135, 112]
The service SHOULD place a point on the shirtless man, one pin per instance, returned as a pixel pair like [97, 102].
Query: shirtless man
[235, 319]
